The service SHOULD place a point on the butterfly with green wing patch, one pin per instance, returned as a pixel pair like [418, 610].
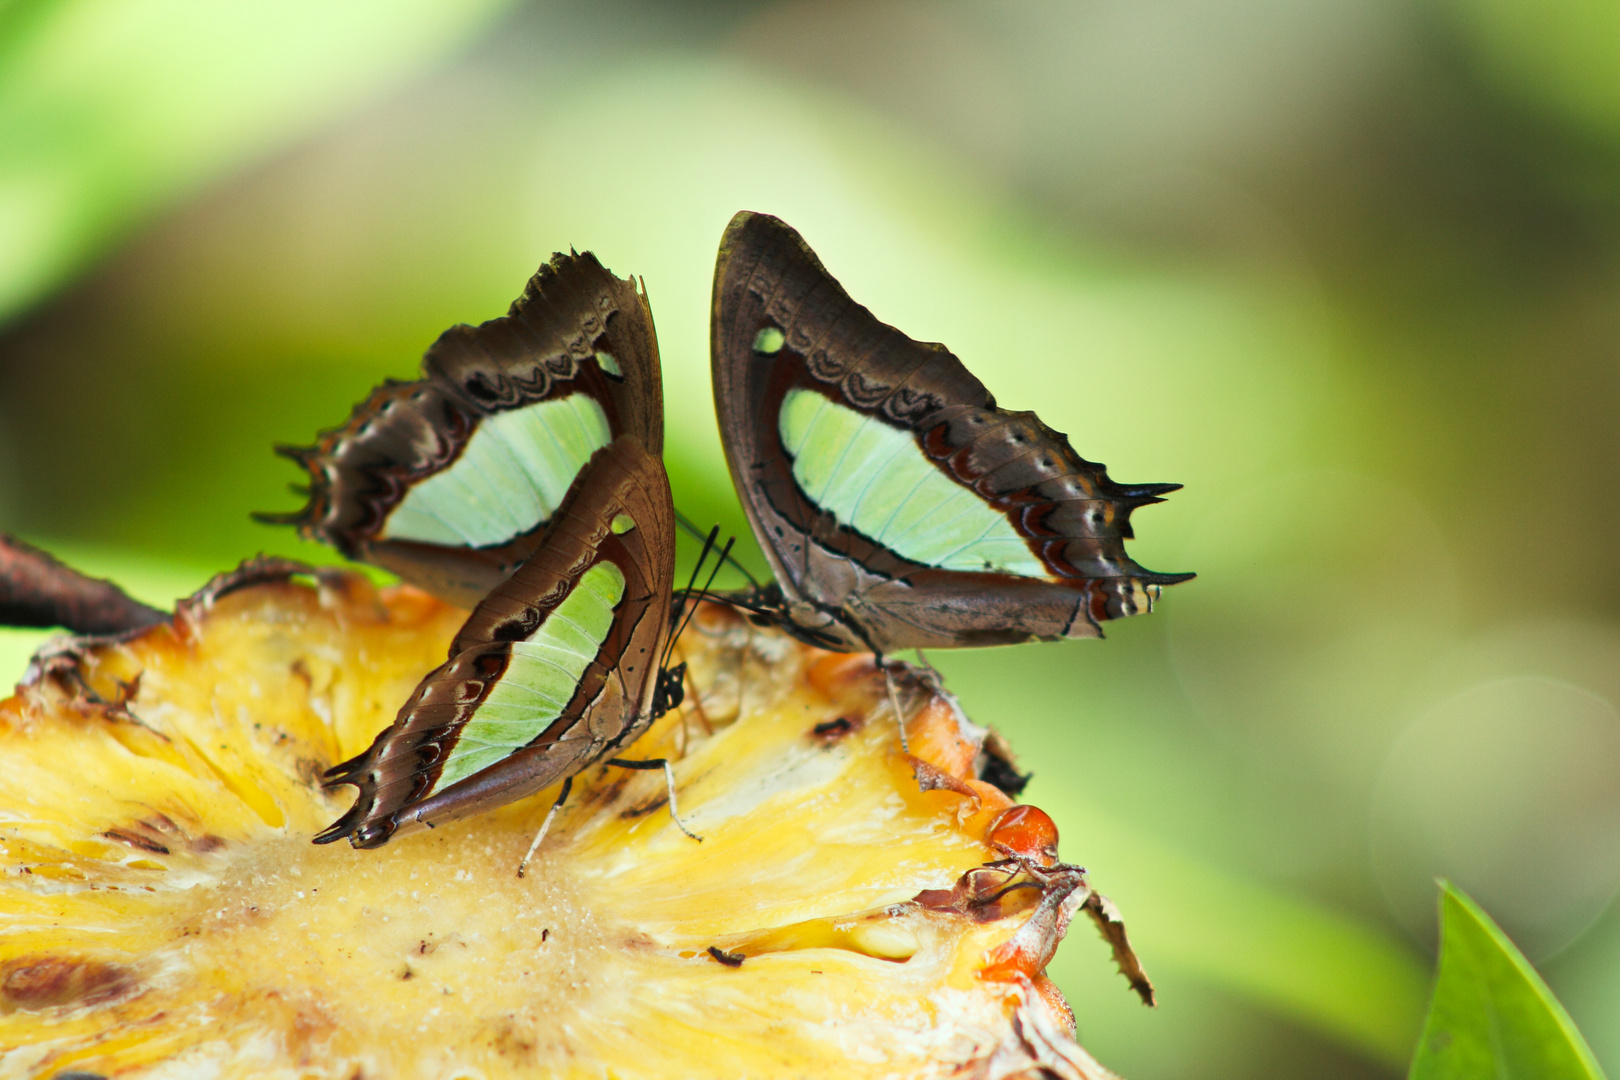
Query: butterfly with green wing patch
[449, 481]
[557, 668]
[898, 505]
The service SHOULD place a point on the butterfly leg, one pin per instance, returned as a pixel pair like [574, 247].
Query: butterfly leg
[669, 780]
[894, 703]
[894, 700]
[568, 785]
[932, 680]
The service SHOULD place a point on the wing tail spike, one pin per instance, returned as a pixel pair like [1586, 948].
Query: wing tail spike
[1145, 491]
[302, 455]
[343, 773]
[264, 517]
[346, 827]
[1152, 577]
[333, 832]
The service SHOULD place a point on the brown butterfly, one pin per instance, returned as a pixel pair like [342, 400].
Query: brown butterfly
[898, 505]
[449, 481]
[558, 667]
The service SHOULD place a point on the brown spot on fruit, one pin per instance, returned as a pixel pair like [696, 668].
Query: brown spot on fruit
[43, 982]
[829, 732]
[513, 1042]
[645, 808]
[135, 840]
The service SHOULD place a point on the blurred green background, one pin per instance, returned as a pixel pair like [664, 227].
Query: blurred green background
[1345, 269]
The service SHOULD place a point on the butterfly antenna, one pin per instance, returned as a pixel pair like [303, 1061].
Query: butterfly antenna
[701, 593]
[687, 524]
[683, 613]
[703, 557]
[704, 593]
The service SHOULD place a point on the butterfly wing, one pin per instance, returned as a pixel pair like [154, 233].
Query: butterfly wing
[449, 480]
[899, 506]
[554, 669]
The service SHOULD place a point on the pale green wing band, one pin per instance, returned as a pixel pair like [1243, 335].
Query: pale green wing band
[541, 676]
[874, 478]
[510, 477]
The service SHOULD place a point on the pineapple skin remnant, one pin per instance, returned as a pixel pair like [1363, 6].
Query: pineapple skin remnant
[851, 911]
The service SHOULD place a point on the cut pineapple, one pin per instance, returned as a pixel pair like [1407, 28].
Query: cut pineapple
[165, 914]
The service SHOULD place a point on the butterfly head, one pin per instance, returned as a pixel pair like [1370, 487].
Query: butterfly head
[670, 690]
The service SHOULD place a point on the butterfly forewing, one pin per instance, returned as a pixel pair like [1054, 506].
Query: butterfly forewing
[449, 480]
[553, 670]
[899, 506]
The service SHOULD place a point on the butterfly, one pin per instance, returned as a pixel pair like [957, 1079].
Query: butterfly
[557, 667]
[898, 505]
[520, 476]
[449, 480]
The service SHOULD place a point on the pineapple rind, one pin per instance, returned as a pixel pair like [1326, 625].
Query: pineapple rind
[163, 914]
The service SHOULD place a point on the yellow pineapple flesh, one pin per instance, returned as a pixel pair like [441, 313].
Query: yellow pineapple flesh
[165, 915]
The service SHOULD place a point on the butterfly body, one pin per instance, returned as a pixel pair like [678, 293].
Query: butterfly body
[898, 505]
[555, 669]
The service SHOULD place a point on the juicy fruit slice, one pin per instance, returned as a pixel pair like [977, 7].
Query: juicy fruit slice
[167, 915]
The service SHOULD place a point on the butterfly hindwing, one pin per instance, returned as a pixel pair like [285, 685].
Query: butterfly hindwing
[449, 480]
[554, 669]
[899, 506]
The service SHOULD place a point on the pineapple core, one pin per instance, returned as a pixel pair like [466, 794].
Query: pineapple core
[851, 910]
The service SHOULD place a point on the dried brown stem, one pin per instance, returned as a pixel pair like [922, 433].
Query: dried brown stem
[38, 590]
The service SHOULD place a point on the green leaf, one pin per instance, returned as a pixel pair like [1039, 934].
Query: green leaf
[1492, 1016]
